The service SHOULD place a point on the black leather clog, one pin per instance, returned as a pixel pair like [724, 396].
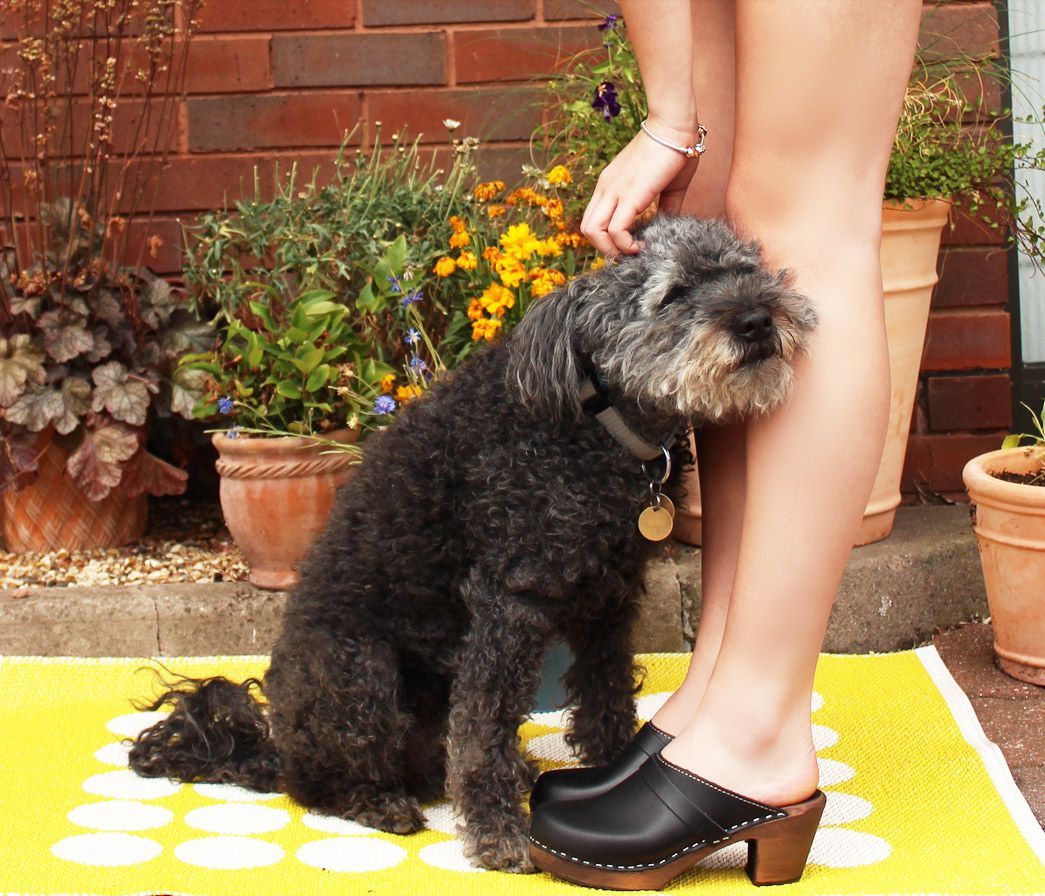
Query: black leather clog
[577, 783]
[660, 822]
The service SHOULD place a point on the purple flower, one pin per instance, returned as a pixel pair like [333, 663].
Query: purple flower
[413, 296]
[606, 100]
[411, 337]
[384, 404]
[609, 23]
[233, 433]
[225, 405]
[417, 363]
[397, 287]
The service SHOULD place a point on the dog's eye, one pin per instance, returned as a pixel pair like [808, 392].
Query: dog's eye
[675, 292]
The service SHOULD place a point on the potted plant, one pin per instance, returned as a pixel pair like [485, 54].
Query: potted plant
[89, 338]
[949, 148]
[1007, 489]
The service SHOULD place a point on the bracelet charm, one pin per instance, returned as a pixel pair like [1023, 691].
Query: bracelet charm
[690, 152]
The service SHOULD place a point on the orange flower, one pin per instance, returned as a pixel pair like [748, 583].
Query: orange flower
[407, 393]
[491, 253]
[467, 261]
[495, 299]
[475, 309]
[458, 224]
[495, 211]
[559, 176]
[487, 191]
[387, 382]
[486, 328]
[459, 239]
[445, 266]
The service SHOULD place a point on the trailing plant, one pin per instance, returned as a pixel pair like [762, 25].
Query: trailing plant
[89, 338]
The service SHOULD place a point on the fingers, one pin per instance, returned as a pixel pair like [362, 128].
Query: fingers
[596, 221]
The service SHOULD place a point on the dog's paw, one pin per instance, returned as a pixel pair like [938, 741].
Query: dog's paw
[395, 814]
[504, 850]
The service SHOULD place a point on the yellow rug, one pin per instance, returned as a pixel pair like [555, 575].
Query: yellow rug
[918, 800]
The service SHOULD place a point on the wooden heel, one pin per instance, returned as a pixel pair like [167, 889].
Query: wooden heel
[777, 852]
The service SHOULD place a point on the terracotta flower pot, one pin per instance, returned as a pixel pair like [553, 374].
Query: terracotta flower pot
[52, 513]
[1010, 527]
[276, 495]
[910, 245]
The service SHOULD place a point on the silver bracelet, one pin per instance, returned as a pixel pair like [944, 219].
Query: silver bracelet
[690, 152]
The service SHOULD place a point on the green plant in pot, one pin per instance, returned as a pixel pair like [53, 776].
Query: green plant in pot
[89, 337]
[951, 147]
[1007, 489]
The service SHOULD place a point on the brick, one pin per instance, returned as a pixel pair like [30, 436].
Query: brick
[228, 65]
[967, 340]
[966, 231]
[430, 12]
[490, 114]
[979, 401]
[277, 15]
[517, 54]
[270, 120]
[972, 277]
[164, 257]
[934, 462]
[343, 60]
[579, 9]
[951, 30]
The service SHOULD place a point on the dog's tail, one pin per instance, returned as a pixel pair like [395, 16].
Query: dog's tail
[216, 732]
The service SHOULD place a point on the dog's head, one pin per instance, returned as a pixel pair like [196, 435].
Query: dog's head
[692, 327]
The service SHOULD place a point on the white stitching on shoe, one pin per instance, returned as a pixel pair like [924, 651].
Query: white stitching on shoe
[670, 858]
[700, 780]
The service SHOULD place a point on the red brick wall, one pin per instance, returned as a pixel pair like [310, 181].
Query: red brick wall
[282, 79]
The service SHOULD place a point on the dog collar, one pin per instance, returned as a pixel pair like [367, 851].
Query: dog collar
[596, 402]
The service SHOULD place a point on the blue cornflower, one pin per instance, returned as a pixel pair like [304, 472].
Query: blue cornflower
[418, 363]
[384, 404]
[413, 296]
[225, 405]
[606, 100]
[233, 433]
[609, 23]
[411, 337]
[396, 285]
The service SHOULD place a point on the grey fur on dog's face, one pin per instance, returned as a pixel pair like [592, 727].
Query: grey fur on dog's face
[661, 327]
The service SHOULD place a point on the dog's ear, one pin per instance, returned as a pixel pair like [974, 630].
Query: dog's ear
[544, 368]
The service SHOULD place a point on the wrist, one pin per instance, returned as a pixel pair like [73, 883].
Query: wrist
[677, 127]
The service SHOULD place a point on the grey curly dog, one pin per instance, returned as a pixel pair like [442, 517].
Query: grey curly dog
[495, 516]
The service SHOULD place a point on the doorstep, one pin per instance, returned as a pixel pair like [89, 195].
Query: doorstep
[924, 578]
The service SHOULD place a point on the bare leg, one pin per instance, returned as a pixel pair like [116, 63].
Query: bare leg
[720, 449]
[819, 90]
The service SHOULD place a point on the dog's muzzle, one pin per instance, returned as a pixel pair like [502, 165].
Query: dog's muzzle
[757, 335]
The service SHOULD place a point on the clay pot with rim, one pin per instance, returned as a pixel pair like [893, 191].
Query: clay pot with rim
[1009, 521]
[276, 496]
[911, 234]
[52, 513]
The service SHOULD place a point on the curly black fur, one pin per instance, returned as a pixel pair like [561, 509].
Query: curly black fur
[492, 518]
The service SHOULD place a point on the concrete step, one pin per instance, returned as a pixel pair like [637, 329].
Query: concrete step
[924, 578]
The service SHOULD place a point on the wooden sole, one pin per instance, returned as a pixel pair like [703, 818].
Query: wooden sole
[777, 853]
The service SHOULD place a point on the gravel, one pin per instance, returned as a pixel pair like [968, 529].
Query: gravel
[186, 542]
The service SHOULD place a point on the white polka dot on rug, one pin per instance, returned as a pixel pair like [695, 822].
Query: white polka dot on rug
[834, 772]
[351, 854]
[134, 723]
[441, 817]
[841, 848]
[551, 746]
[126, 785]
[647, 706]
[232, 793]
[556, 718]
[109, 850]
[817, 701]
[447, 855]
[845, 808]
[732, 856]
[237, 818]
[113, 754]
[228, 853]
[120, 815]
[330, 824]
[824, 737]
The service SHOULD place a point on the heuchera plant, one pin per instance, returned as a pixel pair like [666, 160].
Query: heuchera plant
[89, 338]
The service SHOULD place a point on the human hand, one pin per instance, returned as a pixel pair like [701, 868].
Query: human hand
[640, 172]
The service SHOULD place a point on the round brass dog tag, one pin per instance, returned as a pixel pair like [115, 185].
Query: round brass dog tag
[665, 504]
[655, 523]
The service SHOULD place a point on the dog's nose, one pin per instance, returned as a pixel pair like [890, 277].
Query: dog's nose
[754, 326]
